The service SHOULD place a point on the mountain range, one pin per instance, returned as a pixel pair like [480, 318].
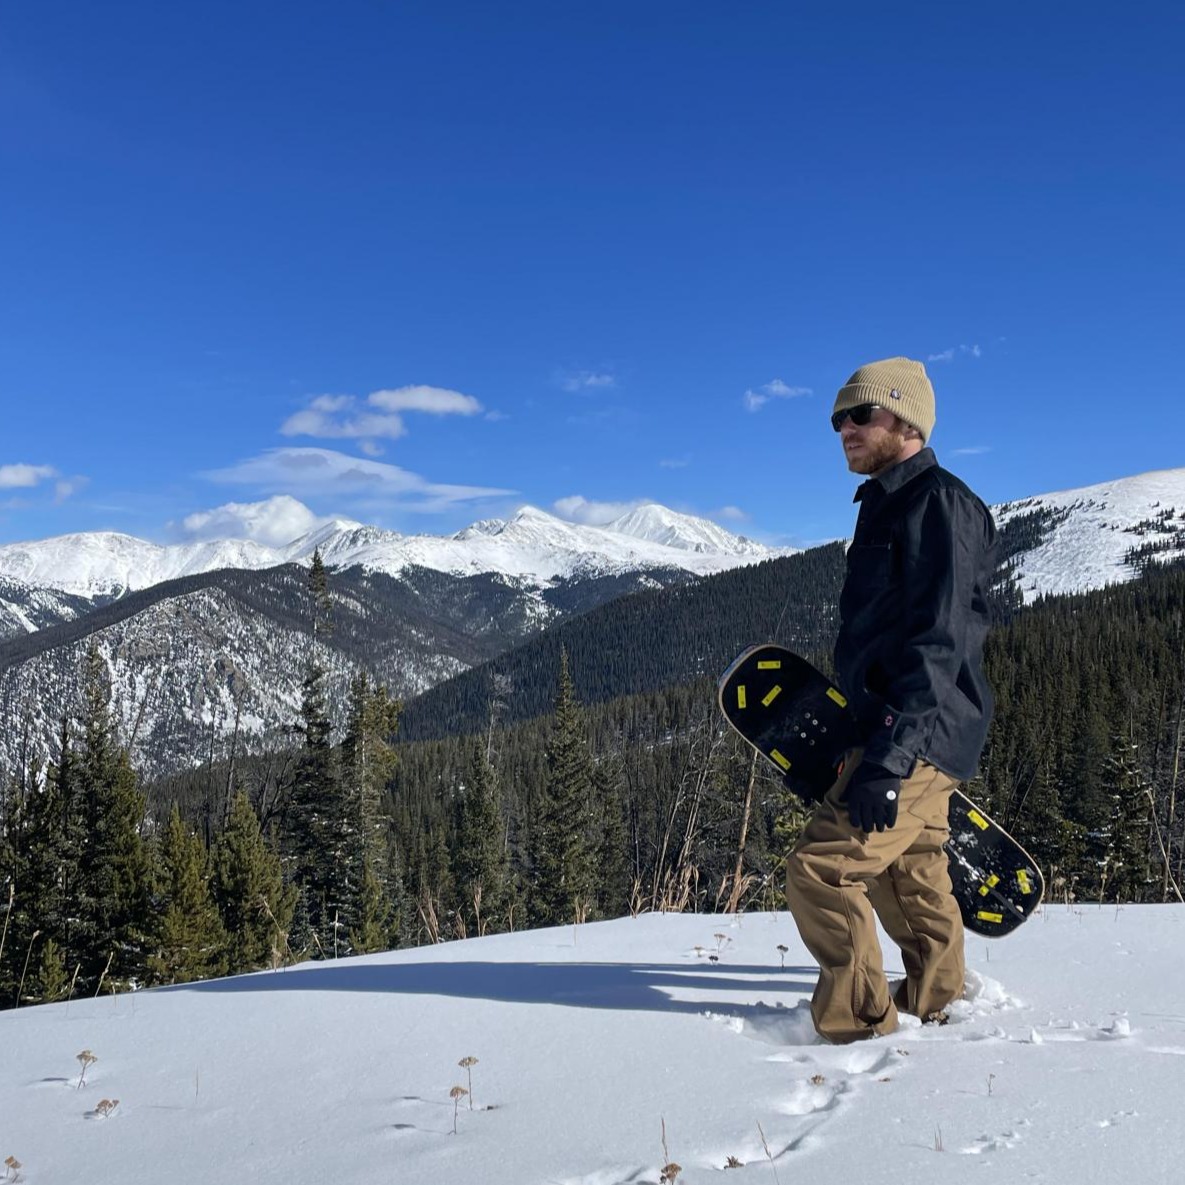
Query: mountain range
[533, 545]
[208, 641]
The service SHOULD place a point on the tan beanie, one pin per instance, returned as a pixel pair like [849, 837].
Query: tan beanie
[899, 385]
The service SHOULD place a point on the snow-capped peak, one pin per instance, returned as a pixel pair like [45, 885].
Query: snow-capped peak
[659, 524]
[1095, 529]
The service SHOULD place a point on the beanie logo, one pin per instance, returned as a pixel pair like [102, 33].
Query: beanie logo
[894, 394]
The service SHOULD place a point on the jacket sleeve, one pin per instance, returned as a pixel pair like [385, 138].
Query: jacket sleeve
[941, 545]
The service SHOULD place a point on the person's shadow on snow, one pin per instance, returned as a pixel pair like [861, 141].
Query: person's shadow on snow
[653, 987]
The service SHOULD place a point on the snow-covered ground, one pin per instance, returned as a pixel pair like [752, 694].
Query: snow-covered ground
[1065, 1064]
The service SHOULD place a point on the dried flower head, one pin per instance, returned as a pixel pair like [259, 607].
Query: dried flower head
[458, 1092]
[466, 1062]
[817, 1079]
[670, 1172]
[85, 1060]
[104, 1107]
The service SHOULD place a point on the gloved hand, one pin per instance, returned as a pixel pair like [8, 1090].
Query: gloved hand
[871, 797]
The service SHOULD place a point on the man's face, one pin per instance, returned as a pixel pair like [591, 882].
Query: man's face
[874, 446]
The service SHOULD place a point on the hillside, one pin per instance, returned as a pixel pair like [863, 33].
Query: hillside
[593, 1042]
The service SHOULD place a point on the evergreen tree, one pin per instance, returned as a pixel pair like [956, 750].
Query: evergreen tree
[563, 887]
[614, 879]
[316, 819]
[52, 980]
[114, 873]
[1127, 863]
[319, 596]
[367, 763]
[248, 887]
[189, 942]
[480, 866]
[375, 920]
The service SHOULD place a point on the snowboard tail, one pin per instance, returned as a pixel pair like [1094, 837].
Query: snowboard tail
[791, 713]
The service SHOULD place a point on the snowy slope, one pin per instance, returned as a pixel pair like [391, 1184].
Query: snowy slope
[25, 608]
[107, 564]
[1095, 527]
[194, 671]
[532, 544]
[1066, 1064]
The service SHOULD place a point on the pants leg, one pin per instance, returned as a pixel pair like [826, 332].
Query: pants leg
[913, 900]
[828, 879]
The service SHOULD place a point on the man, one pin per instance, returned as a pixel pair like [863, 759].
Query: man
[909, 657]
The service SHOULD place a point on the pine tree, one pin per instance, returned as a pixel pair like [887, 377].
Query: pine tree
[614, 880]
[189, 942]
[480, 866]
[375, 919]
[367, 762]
[563, 876]
[318, 586]
[53, 839]
[248, 887]
[1127, 863]
[316, 821]
[52, 980]
[114, 873]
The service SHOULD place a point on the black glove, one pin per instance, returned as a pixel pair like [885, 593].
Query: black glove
[871, 797]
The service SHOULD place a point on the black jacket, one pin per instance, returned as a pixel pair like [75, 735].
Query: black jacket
[913, 618]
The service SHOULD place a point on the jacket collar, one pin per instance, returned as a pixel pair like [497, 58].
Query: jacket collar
[893, 479]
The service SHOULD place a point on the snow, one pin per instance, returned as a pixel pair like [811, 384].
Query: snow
[532, 545]
[1086, 550]
[1065, 1062]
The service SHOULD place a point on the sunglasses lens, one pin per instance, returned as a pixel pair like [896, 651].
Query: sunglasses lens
[860, 415]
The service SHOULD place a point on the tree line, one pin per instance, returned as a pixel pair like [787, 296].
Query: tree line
[356, 841]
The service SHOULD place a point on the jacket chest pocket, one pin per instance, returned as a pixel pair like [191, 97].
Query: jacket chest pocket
[870, 568]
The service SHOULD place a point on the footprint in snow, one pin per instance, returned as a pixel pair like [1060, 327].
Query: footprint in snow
[992, 1144]
[1118, 1118]
[808, 1098]
[1117, 1030]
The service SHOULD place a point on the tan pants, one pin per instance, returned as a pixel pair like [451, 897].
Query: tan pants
[837, 875]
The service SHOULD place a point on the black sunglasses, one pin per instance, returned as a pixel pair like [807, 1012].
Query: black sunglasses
[860, 415]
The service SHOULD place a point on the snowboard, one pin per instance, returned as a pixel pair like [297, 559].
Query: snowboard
[792, 714]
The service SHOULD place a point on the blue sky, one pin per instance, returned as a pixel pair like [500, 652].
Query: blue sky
[421, 263]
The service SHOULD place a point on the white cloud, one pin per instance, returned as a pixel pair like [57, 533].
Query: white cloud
[674, 462]
[579, 509]
[754, 400]
[332, 402]
[730, 514]
[67, 487]
[314, 422]
[309, 471]
[343, 417]
[973, 451]
[273, 522]
[586, 380]
[947, 355]
[436, 401]
[22, 476]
